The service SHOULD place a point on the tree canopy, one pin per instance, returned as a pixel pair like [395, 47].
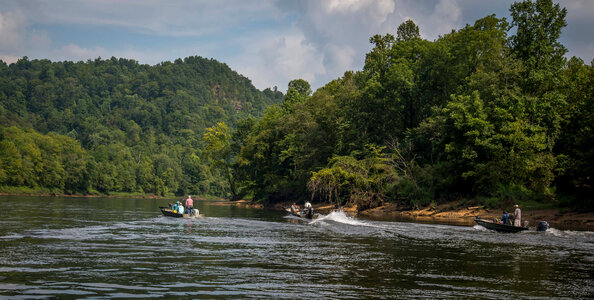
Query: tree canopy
[491, 112]
[137, 128]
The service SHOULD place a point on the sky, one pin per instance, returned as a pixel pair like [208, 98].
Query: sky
[269, 41]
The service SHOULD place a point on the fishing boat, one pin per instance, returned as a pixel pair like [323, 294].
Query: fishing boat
[168, 212]
[499, 227]
[304, 213]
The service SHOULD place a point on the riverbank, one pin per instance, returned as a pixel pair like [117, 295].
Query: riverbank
[557, 218]
[451, 214]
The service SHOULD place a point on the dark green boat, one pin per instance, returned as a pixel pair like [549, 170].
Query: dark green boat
[499, 227]
[304, 213]
[168, 212]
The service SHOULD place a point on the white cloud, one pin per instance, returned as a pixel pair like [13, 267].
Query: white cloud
[270, 42]
[9, 59]
[585, 52]
[339, 30]
[166, 18]
[578, 36]
[446, 16]
[12, 25]
[17, 40]
[377, 10]
[274, 61]
[340, 58]
[39, 39]
[75, 52]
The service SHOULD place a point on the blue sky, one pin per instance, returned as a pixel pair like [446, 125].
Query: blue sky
[270, 42]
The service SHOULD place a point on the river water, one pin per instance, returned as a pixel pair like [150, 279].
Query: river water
[97, 248]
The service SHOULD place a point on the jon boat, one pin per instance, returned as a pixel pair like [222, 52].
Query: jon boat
[499, 227]
[168, 212]
[301, 214]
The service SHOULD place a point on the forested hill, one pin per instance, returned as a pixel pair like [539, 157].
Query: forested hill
[492, 113]
[140, 127]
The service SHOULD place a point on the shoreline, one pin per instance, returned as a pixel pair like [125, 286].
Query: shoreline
[557, 218]
[445, 214]
[391, 212]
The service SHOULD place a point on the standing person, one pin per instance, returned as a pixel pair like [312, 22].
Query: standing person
[518, 216]
[189, 204]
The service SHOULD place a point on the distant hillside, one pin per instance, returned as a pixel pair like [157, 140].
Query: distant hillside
[125, 114]
[106, 95]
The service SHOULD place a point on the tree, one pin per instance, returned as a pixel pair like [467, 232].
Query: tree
[135, 123]
[407, 31]
[536, 42]
[299, 90]
[301, 86]
[217, 149]
[575, 148]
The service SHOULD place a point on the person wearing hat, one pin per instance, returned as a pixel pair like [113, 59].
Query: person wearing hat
[518, 216]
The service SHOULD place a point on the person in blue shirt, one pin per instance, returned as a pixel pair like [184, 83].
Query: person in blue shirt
[177, 207]
[505, 217]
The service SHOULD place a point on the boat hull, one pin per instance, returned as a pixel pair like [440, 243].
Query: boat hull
[499, 227]
[303, 216]
[169, 213]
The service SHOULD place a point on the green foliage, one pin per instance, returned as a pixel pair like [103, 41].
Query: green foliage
[474, 114]
[407, 31]
[301, 86]
[218, 152]
[138, 128]
[536, 42]
[355, 181]
[575, 149]
[490, 202]
[33, 160]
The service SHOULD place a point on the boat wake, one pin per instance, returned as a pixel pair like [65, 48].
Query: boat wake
[480, 228]
[340, 217]
[570, 233]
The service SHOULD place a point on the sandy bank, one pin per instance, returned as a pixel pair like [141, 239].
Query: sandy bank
[446, 214]
[465, 216]
[441, 214]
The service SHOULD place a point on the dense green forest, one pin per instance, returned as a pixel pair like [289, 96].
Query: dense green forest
[115, 125]
[492, 113]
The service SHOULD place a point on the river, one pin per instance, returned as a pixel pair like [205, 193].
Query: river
[97, 248]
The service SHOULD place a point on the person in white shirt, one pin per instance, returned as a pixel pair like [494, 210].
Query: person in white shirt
[518, 216]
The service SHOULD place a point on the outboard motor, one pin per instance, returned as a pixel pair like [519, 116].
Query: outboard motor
[309, 212]
[542, 226]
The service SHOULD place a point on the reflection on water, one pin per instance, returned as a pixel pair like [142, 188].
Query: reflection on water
[123, 248]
